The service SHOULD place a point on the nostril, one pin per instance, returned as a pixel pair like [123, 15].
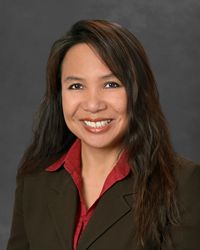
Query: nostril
[94, 105]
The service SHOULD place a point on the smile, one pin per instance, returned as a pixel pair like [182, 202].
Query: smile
[98, 124]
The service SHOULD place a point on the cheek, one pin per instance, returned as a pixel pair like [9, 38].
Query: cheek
[120, 103]
[68, 105]
[121, 107]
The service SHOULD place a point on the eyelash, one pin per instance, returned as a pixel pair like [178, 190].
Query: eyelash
[112, 84]
[75, 86]
[116, 85]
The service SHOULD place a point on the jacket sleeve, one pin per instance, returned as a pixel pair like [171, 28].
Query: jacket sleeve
[18, 238]
[186, 236]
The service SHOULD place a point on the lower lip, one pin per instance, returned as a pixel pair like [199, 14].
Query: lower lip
[98, 130]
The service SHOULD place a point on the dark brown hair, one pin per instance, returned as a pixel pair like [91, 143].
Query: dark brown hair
[150, 152]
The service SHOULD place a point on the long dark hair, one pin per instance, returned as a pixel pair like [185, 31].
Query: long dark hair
[150, 152]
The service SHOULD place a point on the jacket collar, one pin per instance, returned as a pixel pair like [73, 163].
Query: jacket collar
[63, 204]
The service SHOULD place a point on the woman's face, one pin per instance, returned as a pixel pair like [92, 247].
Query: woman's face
[94, 100]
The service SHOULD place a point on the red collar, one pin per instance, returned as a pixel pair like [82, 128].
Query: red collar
[70, 160]
[72, 163]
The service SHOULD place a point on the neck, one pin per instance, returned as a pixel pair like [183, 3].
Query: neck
[98, 161]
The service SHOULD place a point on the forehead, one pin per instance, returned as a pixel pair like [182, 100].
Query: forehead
[83, 59]
[82, 48]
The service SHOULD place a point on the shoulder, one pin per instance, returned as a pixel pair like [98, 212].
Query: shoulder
[39, 183]
[187, 174]
[38, 190]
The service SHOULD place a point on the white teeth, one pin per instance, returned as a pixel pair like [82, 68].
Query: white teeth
[98, 124]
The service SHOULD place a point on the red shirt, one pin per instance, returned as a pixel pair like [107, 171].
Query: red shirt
[72, 163]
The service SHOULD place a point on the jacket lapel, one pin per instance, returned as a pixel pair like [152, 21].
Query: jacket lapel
[112, 206]
[63, 202]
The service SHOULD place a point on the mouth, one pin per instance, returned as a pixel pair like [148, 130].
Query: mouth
[97, 124]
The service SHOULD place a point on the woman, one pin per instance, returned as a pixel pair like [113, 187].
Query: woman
[101, 172]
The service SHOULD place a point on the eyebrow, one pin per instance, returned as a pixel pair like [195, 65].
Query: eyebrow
[75, 78]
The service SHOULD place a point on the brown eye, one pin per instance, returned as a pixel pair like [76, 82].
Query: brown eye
[76, 86]
[112, 85]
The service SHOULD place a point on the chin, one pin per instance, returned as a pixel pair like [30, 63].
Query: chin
[101, 143]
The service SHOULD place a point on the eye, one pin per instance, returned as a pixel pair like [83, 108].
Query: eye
[75, 86]
[112, 85]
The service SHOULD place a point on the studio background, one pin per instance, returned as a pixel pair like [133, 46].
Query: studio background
[169, 31]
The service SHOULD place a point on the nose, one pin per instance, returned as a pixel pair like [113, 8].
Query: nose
[93, 101]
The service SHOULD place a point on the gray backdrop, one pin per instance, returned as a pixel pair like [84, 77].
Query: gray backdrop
[169, 30]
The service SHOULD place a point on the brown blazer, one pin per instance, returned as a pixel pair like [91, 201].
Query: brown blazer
[46, 206]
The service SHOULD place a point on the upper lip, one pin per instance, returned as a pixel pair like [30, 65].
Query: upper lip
[96, 119]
